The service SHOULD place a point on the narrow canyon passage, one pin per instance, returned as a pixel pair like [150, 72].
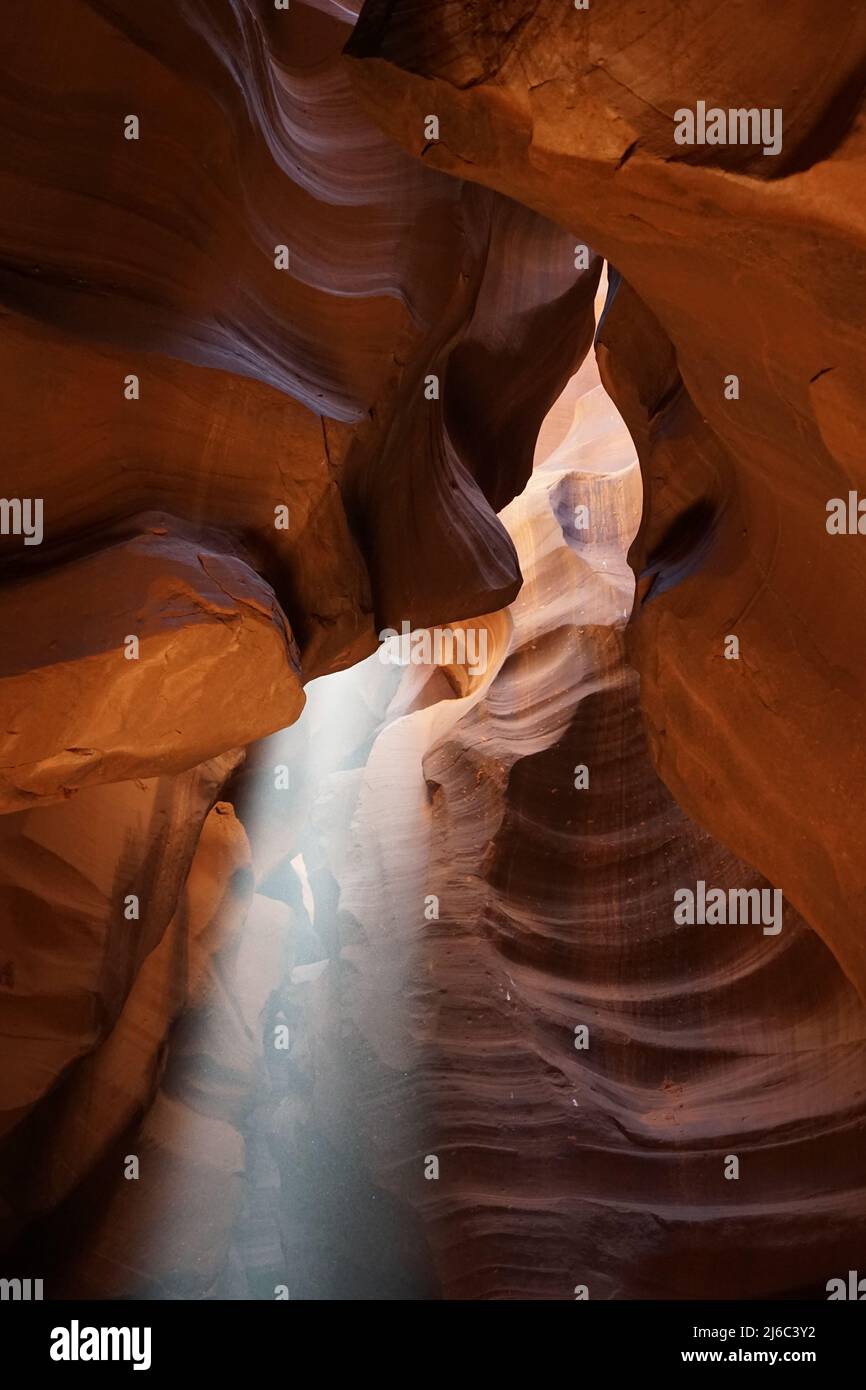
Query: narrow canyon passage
[449, 1040]
[432, 703]
[465, 874]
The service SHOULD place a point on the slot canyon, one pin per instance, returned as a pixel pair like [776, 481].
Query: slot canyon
[418, 580]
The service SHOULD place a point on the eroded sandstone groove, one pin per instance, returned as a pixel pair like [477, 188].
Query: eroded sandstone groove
[384, 996]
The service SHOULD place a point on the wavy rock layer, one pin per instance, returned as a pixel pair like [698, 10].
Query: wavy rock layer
[735, 263]
[273, 380]
[112, 659]
[253, 361]
[97, 930]
[266, 379]
[449, 1033]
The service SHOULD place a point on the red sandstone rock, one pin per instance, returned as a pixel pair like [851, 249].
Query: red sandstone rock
[558, 1167]
[156, 258]
[156, 360]
[735, 263]
[143, 658]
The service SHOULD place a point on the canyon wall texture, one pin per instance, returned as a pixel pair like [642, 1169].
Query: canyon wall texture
[732, 263]
[327, 977]
[580, 1066]
[237, 311]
